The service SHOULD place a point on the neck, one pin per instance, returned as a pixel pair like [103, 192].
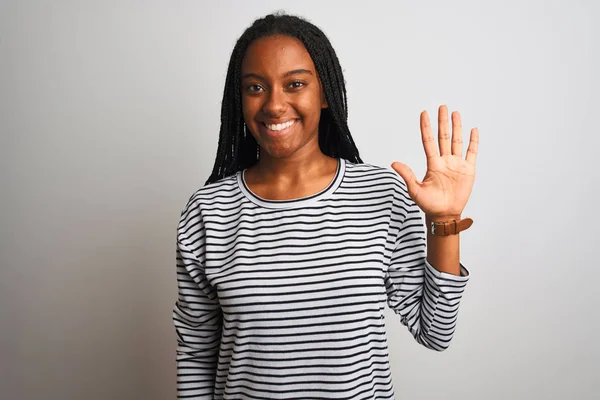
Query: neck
[297, 168]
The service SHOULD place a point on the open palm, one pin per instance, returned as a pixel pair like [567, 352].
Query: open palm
[447, 185]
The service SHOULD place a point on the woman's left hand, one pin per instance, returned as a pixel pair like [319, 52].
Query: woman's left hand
[447, 185]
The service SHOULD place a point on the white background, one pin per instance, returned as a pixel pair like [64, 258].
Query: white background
[109, 117]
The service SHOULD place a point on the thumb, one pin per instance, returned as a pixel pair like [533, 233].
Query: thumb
[407, 174]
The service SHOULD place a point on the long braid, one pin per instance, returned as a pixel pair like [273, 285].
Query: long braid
[237, 148]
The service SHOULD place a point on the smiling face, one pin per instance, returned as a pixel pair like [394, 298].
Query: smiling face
[282, 96]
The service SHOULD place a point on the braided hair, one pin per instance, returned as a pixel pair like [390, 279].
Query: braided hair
[238, 149]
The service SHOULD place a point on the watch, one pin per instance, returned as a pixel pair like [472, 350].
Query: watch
[448, 228]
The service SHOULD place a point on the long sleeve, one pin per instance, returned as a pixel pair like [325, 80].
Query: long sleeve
[197, 319]
[426, 299]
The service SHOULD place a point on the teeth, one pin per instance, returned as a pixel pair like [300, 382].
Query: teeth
[279, 127]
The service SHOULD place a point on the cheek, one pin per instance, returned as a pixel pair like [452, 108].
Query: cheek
[249, 110]
[312, 104]
[246, 109]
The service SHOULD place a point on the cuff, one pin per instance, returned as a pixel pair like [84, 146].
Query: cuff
[444, 276]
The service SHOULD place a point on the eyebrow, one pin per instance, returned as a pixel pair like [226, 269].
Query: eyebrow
[287, 74]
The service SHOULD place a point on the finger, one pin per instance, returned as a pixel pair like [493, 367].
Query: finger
[427, 137]
[456, 134]
[473, 145]
[407, 175]
[443, 133]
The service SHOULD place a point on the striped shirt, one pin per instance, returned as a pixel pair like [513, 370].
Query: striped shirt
[284, 299]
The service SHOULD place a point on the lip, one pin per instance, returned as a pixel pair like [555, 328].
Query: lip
[280, 133]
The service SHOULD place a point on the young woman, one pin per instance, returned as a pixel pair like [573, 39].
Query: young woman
[289, 253]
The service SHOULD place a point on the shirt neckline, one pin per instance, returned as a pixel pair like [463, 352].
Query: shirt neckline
[292, 203]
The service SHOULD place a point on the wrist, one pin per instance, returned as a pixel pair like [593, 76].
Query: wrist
[452, 226]
[442, 218]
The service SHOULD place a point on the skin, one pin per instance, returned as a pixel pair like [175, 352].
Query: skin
[446, 187]
[280, 83]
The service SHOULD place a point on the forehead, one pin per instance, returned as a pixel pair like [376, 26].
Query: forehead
[276, 55]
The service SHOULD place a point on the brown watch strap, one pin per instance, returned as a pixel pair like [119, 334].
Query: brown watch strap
[448, 228]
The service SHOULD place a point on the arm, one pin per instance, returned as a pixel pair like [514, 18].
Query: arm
[426, 299]
[197, 320]
[443, 252]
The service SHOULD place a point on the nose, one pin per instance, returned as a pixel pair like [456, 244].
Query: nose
[275, 104]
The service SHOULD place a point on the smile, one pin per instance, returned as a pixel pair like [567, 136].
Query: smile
[280, 127]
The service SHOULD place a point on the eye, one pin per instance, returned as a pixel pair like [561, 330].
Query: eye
[254, 88]
[297, 85]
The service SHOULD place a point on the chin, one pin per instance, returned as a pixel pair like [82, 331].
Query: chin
[278, 151]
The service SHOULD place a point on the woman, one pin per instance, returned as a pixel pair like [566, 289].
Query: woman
[288, 254]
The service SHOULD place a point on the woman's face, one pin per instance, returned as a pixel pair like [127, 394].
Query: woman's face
[282, 96]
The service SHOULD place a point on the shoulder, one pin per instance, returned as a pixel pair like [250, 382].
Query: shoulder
[375, 174]
[212, 192]
[206, 197]
[381, 182]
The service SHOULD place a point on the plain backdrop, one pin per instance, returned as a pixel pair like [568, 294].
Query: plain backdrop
[109, 118]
